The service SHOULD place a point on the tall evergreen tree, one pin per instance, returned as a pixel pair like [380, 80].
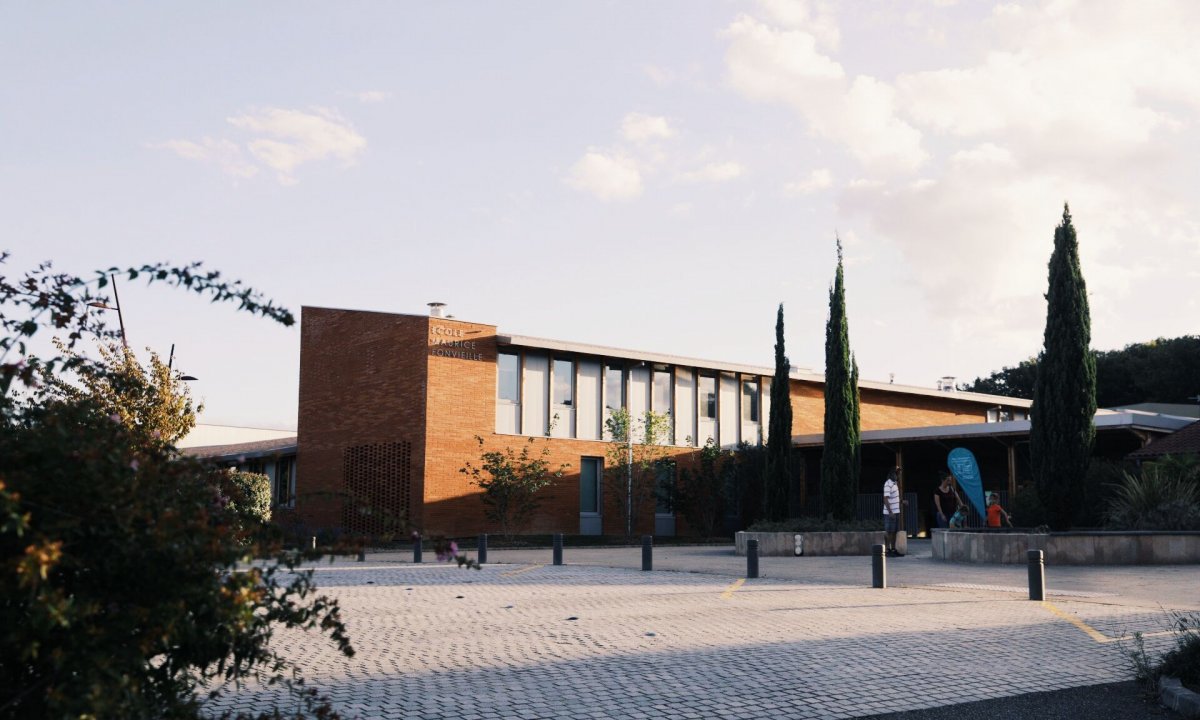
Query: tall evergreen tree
[840, 462]
[779, 440]
[1064, 394]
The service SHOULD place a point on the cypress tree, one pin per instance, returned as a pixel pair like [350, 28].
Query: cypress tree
[1064, 395]
[779, 440]
[840, 461]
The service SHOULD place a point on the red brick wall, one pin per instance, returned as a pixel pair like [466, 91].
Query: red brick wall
[362, 381]
[882, 410]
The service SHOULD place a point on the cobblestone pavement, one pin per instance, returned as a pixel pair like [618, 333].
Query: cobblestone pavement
[527, 640]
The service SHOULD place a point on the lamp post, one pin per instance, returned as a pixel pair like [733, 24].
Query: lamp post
[171, 361]
[120, 315]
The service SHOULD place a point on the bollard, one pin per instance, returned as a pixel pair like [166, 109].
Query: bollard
[1037, 575]
[482, 549]
[314, 543]
[417, 550]
[878, 567]
[362, 553]
[558, 548]
[751, 559]
[647, 552]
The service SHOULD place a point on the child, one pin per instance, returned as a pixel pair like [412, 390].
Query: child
[959, 518]
[994, 511]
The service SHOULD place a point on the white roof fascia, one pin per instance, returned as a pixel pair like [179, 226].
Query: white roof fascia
[662, 358]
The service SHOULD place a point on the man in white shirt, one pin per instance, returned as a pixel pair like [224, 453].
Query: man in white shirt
[891, 512]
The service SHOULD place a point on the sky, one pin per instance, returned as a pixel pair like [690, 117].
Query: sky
[655, 176]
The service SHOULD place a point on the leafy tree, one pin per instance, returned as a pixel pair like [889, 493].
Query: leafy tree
[701, 494]
[510, 482]
[841, 459]
[123, 588]
[153, 402]
[1158, 371]
[633, 460]
[778, 479]
[1062, 432]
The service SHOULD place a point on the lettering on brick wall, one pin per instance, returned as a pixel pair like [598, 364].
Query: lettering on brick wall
[449, 342]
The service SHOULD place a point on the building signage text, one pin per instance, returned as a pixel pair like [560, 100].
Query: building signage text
[449, 342]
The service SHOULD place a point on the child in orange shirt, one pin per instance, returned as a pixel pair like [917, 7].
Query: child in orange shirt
[994, 511]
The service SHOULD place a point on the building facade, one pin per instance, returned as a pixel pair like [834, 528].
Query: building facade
[391, 407]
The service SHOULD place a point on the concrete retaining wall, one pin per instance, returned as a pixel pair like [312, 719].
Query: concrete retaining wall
[1070, 548]
[776, 544]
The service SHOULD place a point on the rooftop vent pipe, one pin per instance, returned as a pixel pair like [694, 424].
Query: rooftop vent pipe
[436, 309]
[946, 383]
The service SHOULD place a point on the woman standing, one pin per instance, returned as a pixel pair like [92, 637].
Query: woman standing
[945, 501]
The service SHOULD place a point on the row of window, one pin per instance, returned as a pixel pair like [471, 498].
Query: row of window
[537, 394]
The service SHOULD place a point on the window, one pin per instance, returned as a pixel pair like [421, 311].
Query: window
[508, 377]
[590, 470]
[708, 397]
[664, 487]
[750, 401]
[285, 479]
[564, 383]
[661, 400]
[614, 388]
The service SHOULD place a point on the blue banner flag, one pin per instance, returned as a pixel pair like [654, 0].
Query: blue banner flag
[966, 471]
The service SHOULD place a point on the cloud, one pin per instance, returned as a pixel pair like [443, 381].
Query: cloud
[714, 172]
[373, 96]
[224, 154]
[607, 175]
[771, 64]
[639, 128]
[815, 18]
[290, 138]
[817, 180]
[279, 139]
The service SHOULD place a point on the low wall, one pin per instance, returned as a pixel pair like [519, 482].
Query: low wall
[776, 544]
[1069, 548]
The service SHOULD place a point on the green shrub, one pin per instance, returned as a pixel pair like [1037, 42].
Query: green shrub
[1101, 479]
[1157, 499]
[249, 496]
[817, 524]
[1182, 661]
[1027, 507]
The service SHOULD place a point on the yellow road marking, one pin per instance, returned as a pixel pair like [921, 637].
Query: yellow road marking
[1090, 631]
[510, 573]
[730, 590]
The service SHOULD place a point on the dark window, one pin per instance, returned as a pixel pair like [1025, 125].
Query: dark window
[708, 397]
[508, 378]
[590, 469]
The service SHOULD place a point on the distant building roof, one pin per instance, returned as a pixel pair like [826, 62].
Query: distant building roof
[247, 450]
[1185, 441]
[1191, 410]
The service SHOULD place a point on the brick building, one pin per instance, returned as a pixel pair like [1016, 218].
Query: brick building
[391, 405]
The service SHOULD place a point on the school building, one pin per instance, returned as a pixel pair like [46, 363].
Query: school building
[391, 406]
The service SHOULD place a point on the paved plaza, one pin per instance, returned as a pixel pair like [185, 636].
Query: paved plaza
[599, 638]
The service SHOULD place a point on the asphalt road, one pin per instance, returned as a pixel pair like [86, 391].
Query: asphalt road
[1114, 701]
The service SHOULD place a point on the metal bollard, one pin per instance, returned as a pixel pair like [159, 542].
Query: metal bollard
[1037, 575]
[417, 550]
[558, 539]
[482, 549]
[878, 567]
[314, 542]
[362, 553]
[647, 552]
[752, 559]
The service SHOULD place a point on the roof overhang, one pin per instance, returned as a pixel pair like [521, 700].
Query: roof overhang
[1148, 422]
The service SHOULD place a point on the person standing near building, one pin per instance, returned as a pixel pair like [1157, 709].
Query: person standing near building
[891, 512]
[945, 501]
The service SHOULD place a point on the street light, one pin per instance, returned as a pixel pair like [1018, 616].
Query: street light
[171, 361]
[120, 316]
